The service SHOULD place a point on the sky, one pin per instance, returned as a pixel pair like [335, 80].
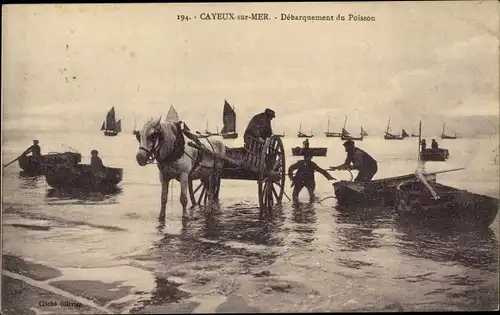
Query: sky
[64, 66]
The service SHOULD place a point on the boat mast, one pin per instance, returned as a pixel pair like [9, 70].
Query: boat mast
[388, 125]
[300, 127]
[328, 128]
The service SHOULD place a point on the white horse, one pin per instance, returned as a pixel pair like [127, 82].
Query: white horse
[165, 142]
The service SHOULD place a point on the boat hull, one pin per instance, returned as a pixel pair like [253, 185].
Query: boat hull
[33, 165]
[351, 138]
[333, 134]
[110, 133]
[376, 192]
[83, 176]
[437, 155]
[448, 137]
[392, 137]
[454, 207]
[232, 135]
[301, 135]
[297, 151]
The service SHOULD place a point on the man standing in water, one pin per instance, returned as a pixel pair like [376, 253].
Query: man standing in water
[305, 177]
[361, 161]
[34, 150]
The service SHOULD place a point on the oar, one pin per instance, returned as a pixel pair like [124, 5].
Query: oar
[447, 171]
[11, 161]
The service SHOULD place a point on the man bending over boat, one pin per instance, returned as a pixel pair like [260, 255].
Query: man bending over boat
[305, 176]
[259, 126]
[361, 161]
[34, 150]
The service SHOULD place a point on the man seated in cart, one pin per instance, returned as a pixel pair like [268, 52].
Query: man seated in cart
[305, 176]
[34, 150]
[259, 127]
[361, 161]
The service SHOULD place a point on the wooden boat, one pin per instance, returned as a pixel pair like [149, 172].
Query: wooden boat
[329, 134]
[389, 136]
[437, 155]
[363, 132]
[208, 133]
[83, 176]
[298, 151]
[454, 206]
[300, 134]
[110, 126]
[352, 138]
[229, 120]
[444, 136]
[375, 192]
[281, 135]
[32, 165]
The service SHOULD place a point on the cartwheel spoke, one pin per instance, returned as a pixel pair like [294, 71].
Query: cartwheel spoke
[275, 193]
[198, 188]
[202, 194]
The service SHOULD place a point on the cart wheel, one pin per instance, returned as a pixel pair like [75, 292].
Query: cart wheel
[198, 189]
[271, 174]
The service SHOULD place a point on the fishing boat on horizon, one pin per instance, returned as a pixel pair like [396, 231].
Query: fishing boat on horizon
[329, 134]
[172, 115]
[110, 126]
[444, 136]
[389, 136]
[300, 134]
[229, 120]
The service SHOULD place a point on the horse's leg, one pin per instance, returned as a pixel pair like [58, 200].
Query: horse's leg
[165, 181]
[184, 187]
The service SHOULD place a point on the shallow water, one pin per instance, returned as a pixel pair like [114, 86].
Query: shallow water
[332, 260]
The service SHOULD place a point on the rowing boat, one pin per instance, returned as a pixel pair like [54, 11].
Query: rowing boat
[376, 192]
[83, 176]
[297, 151]
[437, 155]
[34, 165]
[453, 206]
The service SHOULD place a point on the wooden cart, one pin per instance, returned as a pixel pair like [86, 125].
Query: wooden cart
[261, 161]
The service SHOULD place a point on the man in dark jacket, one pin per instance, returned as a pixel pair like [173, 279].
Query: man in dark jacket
[434, 144]
[95, 160]
[360, 160]
[259, 126]
[305, 177]
[34, 150]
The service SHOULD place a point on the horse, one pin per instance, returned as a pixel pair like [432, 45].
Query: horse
[165, 142]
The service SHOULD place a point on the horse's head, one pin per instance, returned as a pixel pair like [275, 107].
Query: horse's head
[149, 139]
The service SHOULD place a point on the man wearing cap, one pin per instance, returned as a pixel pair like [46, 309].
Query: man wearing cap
[361, 161]
[305, 177]
[34, 150]
[259, 126]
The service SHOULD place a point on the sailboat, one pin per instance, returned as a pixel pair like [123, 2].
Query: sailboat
[349, 137]
[329, 134]
[209, 133]
[444, 136]
[110, 126]
[229, 120]
[363, 132]
[389, 136]
[303, 135]
[172, 115]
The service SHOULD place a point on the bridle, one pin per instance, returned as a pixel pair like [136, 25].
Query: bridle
[153, 153]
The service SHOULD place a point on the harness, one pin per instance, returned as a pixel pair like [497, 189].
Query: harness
[175, 154]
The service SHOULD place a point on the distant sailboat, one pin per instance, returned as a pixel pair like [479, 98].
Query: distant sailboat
[329, 134]
[281, 135]
[209, 133]
[363, 132]
[110, 126]
[349, 137]
[229, 120]
[303, 135]
[444, 136]
[389, 136]
[172, 115]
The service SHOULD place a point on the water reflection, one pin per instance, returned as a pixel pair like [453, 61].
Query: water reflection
[305, 215]
[29, 180]
[79, 196]
[164, 293]
[474, 249]
[356, 226]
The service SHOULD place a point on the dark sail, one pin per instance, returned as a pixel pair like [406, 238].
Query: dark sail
[103, 127]
[118, 127]
[110, 120]
[404, 134]
[228, 118]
